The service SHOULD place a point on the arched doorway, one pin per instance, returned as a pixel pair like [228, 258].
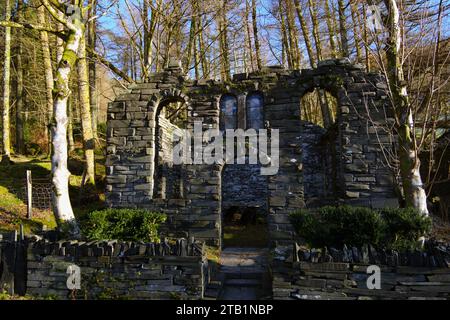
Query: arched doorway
[244, 191]
[170, 120]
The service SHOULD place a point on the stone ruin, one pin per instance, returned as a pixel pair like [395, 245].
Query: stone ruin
[344, 163]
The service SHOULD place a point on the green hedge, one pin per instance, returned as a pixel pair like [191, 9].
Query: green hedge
[122, 224]
[389, 228]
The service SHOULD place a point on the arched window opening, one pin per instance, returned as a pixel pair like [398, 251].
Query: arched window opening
[255, 115]
[171, 118]
[320, 142]
[319, 107]
[228, 112]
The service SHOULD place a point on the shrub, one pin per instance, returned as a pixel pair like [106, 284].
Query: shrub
[122, 224]
[355, 226]
[338, 226]
[404, 227]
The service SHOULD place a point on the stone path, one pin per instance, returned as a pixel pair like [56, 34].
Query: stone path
[245, 273]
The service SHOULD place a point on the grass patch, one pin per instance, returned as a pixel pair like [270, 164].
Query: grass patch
[253, 235]
[13, 210]
[212, 253]
[6, 296]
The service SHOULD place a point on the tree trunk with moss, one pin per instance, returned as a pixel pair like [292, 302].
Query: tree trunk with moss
[324, 105]
[62, 206]
[413, 190]
[315, 29]
[366, 38]
[356, 30]
[222, 24]
[20, 143]
[255, 36]
[305, 31]
[343, 29]
[48, 74]
[284, 36]
[71, 142]
[292, 35]
[85, 111]
[6, 139]
[60, 174]
[331, 29]
[92, 41]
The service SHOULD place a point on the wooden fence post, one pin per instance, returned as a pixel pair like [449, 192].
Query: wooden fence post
[29, 195]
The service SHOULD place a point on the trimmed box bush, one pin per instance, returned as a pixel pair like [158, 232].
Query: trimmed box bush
[122, 224]
[385, 228]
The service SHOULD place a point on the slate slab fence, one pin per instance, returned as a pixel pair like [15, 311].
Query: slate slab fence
[109, 269]
[342, 274]
[13, 263]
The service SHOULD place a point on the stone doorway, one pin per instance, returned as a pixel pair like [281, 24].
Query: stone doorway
[244, 207]
[244, 227]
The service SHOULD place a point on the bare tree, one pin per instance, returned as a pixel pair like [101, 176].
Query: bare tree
[6, 139]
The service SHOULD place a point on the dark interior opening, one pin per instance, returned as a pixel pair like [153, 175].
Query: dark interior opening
[244, 227]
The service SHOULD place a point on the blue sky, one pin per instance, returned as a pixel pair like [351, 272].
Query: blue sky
[265, 21]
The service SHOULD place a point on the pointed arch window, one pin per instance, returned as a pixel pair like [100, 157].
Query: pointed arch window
[228, 112]
[255, 116]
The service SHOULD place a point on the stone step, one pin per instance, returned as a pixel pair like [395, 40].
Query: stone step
[214, 284]
[243, 275]
[243, 282]
[243, 270]
[212, 293]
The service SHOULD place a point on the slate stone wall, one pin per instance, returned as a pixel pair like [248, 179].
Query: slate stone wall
[244, 186]
[353, 152]
[118, 270]
[342, 274]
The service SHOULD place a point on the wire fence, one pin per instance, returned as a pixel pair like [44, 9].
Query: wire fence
[35, 193]
[41, 190]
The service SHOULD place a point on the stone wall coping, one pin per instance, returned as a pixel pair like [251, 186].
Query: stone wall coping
[115, 248]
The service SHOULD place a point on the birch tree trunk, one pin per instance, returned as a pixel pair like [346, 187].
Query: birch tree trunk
[70, 125]
[85, 110]
[62, 206]
[48, 74]
[6, 142]
[414, 192]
